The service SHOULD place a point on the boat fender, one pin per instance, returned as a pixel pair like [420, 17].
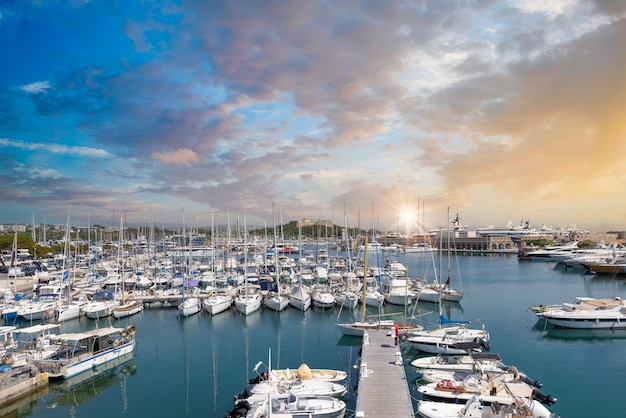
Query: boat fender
[516, 375]
[116, 342]
[7, 359]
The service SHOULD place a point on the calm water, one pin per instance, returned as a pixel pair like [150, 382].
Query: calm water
[193, 366]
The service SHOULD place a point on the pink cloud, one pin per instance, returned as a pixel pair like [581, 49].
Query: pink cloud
[180, 156]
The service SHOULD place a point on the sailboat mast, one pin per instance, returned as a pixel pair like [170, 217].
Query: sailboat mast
[276, 266]
[245, 243]
[449, 228]
[363, 302]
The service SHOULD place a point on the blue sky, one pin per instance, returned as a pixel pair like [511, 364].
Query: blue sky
[500, 110]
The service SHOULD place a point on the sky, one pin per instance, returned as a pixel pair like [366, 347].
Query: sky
[396, 115]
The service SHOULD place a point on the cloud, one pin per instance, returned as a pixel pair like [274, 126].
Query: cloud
[461, 101]
[180, 156]
[36, 88]
[56, 148]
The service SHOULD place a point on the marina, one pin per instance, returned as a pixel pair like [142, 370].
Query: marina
[195, 365]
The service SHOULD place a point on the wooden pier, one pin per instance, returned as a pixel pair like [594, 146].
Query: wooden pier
[383, 389]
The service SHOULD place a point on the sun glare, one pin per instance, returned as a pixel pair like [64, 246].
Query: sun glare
[408, 217]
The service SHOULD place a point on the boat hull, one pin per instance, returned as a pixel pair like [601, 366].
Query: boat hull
[300, 304]
[276, 303]
[248, 305]
[217, 305]
[437, 348]
[66, 314]
[124, 311]
[590, 323]
[36, 315]
[358, 329]
[189, 307]
[398, 299]
[97, 360]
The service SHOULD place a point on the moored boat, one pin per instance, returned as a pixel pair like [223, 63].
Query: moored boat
[502, 389]
[101, 305]
[309, 406]
[457, 339]
[40, 307]
[127, 308]
[257, 392]
[588, 313]
[217, 303]
[189, 306]
[477, 408]
[303, 372]
[358, 328]
[464, 365]
[79, 352]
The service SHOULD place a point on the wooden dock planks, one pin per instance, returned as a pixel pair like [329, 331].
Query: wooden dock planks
[383, 390]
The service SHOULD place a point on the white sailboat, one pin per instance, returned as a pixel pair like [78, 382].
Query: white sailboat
[250, 300]
[68, 308]
[190, 305]
[300, 297]
[450, 337]
[277, 298]
[127, 306]
[358, 328]
[217, 302]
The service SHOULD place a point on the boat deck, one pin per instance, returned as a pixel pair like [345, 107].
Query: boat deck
[383, 388]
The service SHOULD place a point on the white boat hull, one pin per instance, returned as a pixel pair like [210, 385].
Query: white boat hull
[431, 409]
[348, 301]
[189, 307]
[128, 310]
[589, 323]
[218, 304]
[300, 304]
[374, 300]
[98, 360]
[68, 312]
[437, 348]
[398, 299]
[358, 329]
[37, 314]
[276, 303]
[248, 304]
[98, 311]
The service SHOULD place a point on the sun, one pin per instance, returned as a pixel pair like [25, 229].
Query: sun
[408, 217]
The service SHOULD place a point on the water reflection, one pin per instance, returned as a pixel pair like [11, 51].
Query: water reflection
[88, 385]
[584, 335]
[23, 406]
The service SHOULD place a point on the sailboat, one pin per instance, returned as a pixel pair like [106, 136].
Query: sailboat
[277, 298]
[219, 299]
[300, 297]
[437, 292]
[450, 337]
[9, 307]
[127, 306]
[447, 293]
[190, 305]
[347, 296]
[250, 300]
[358, 328]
